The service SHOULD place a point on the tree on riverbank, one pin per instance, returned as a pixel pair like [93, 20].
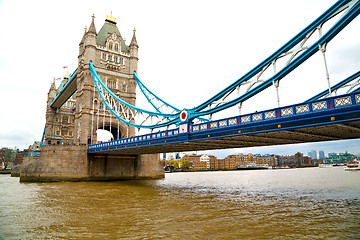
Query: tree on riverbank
[7, 157]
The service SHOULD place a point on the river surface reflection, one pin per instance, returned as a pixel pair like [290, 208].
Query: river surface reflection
[311, 203]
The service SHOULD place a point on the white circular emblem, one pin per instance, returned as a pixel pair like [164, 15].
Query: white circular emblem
[183, 115]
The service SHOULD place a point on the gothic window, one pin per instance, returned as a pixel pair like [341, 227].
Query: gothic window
[109, 57]
[116, 47]
[121, 61]
[116, 59]
[111, 84]
[110, 46]
[103, 56]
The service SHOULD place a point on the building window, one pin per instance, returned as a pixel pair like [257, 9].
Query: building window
[111, 84]
[57, 133]
[110, 46]
[101, 106]
[56, 119]
[116, 59]
[109, 57]
[64, 120]
[64, 132]
[121, 61]
[116, 47]
[103, 56]
[123, 88]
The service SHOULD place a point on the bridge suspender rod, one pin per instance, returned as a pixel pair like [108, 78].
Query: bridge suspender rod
[98, 116]
[118, 130]
[104, 117]
[276, 85]
[323, 50]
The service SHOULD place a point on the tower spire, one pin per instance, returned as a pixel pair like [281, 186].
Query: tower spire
[92, 25]
[133, 40]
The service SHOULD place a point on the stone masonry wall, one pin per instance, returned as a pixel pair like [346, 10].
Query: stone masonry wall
[72, 163]
[57, 163]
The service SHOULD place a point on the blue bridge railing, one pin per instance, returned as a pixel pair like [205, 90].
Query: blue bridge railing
[322, 106]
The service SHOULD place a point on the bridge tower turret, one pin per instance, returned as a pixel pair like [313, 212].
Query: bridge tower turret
[133, 53]
[115, 63]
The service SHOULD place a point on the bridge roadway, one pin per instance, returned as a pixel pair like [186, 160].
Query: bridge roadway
[334, 118]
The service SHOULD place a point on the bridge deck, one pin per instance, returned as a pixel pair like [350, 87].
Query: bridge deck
[334, 118]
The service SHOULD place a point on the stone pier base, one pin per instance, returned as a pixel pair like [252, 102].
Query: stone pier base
[72, 163]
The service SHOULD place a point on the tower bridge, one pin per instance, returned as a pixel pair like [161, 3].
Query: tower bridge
[101, 94]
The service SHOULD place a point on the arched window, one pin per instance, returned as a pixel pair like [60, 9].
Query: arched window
[116, 48]
[110, 46]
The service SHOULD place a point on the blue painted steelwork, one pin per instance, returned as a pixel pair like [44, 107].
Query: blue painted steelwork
[63, 88]
[43, 136]
[335, 87]
[245, 124]
[326, 38]
[143, 88]
[297, 60]
[174, 117]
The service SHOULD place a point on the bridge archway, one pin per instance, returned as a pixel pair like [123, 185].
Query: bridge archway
[106, 132]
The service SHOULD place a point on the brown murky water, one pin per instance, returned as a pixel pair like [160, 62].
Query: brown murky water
[309, 203]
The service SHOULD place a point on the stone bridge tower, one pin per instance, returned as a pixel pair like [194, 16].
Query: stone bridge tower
[115, 63]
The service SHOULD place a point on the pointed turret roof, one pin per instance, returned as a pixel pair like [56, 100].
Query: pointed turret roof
[83, 38]
[133, 40]
[92, 28]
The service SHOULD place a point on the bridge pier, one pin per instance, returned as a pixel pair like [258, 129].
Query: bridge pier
[73, 163]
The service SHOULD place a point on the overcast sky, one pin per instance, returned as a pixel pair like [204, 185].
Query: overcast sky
[188, 51]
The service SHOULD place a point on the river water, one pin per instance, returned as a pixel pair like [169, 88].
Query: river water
[308, 203]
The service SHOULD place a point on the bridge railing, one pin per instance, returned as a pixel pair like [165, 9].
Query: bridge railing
[318, 106]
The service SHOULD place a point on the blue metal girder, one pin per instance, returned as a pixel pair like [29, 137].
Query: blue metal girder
[335, 87]
[327, 37]
[289, 45]
[332, 110]
[97, 80]
[142, 87]
[63, 91]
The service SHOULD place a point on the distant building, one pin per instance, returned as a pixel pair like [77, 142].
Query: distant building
[313, 154]
[19, 156]
[340, 158]
[209, 162]
[321, 155]
[199, 162]
[171, 156]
